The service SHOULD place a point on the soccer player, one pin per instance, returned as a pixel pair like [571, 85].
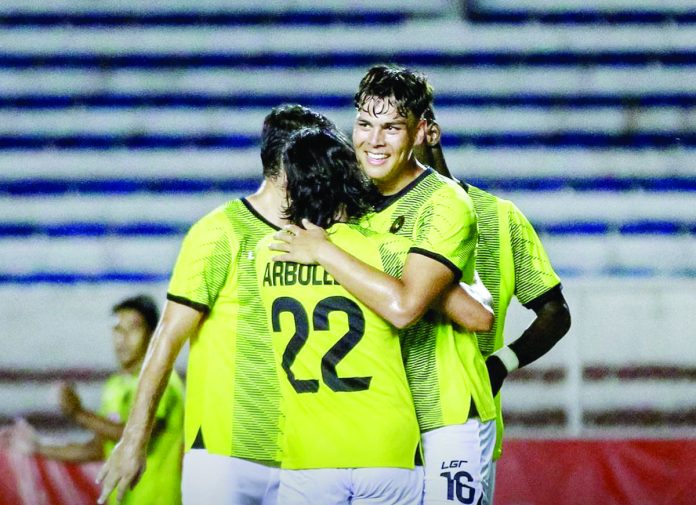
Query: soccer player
[232, 400]
[446, 372]
[511, 262]
[136, 319]
[350, 432]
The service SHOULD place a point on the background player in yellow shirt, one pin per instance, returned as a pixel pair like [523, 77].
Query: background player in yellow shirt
[231, 416]
[136, 319]
[511, 262]
[350, 432]
[445, 369]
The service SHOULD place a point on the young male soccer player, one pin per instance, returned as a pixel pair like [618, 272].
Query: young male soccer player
[446, 372]
[232, 410]
[511, 261]
[350, 431]
[136, 319]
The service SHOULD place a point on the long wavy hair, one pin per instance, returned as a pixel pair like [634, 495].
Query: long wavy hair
[324, 181]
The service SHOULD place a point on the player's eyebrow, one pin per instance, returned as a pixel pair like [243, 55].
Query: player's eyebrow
[397, 122]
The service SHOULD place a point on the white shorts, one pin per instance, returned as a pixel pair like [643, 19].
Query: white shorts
[224, 480]
[489, 487]
[356, 486]
[457, 462]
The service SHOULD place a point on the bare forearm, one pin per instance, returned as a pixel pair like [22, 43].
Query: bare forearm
[550, 325]
[152, 382]
[77, 453]
[384, 294]
[177, 325]
[99, 425]
[465, 310]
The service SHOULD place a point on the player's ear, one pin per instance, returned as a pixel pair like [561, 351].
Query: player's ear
[421, 132]
[433, 134]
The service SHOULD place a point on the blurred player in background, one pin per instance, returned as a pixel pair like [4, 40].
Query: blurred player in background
[232, 396]
[446, 372]
[511, 261]
[136, 319]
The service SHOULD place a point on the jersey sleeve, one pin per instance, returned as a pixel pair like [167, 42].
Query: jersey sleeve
[203, 264]
[446, 230]
[534, 274]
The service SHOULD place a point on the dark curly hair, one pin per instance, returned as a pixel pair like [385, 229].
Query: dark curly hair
[407, 90]
[278, 125]
[324, 181]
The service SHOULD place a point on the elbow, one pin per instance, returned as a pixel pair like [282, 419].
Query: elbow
[402, 321]
[560, 314]
[557, 318]
[564, 319]
[403, 315]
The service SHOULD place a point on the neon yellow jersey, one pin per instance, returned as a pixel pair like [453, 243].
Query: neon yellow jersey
[161, 482]
[232, 397]
[444, 368]
[345, 397]
[511, 261]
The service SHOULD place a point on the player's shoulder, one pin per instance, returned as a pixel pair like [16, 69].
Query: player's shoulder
[442, 185]
[432, 189]
[235, 218]
[446, 192]
[361, 234]
[264, 241]
[216, 217]
[221, 214]
[354, 233]
[482, 197]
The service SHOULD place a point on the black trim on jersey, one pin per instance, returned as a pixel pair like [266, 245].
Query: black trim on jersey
[387, 200]
[552, 294]
[464, 185]
[189, 303]
[198, 442]
[418, 458]
[438, 257]
[257, 215]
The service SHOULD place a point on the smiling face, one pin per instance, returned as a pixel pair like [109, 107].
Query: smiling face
[384, 140]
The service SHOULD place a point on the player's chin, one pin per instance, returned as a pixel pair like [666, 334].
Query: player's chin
[376, 172]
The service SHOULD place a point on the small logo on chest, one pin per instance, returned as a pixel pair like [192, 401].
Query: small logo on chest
[397, 224]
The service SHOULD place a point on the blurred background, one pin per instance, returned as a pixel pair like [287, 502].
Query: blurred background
[123, 122]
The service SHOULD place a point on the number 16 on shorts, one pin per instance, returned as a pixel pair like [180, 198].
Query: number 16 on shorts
[459, 488]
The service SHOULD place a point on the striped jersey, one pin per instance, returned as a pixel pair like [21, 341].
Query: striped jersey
[444, 366]
[232, 397]
[345, 396]
[511, 261]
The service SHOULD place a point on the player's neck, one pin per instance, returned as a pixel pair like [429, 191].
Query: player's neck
[269, 201]
[405, 176]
